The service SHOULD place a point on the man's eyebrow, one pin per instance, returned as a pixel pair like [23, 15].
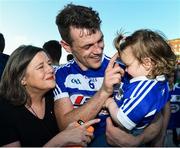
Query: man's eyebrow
[102, 37]
[90, 44]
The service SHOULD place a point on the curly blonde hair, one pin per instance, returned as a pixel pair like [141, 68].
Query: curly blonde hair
[146, 43]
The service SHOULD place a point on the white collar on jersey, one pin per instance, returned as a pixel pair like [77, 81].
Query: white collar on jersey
[140, 78]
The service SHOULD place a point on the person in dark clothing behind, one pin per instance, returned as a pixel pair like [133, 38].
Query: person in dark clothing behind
[69, 57]
[3, 57]
[53, 48]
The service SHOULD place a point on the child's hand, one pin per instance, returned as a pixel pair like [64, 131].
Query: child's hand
[108, 102]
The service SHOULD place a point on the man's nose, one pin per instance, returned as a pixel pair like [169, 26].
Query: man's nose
[98, 48]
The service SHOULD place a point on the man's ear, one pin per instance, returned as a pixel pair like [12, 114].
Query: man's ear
[66, 46]
[147, 63]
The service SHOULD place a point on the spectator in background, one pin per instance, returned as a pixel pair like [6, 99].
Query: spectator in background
[3, 57]
[69, 57]
[53, 48]
[174, 123]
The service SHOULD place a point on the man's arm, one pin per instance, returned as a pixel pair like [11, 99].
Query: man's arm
[117, 137]
[64, 111]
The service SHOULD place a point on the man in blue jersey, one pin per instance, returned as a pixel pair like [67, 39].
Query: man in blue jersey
[86, 82]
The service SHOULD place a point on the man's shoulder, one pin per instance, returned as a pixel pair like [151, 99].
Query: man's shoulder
[106, 58]
[65, 70]
[4, 57]
[3, 60]
[66, 66]
[105, 61]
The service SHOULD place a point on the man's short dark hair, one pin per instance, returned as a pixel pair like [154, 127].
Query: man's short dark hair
[79, 17]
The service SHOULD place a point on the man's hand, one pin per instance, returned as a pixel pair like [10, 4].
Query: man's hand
[118, 137]
[112, 76]
[158, 141]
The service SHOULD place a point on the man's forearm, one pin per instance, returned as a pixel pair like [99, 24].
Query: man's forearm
[151, 131]
[159, 140]
[86, 112]
[148, 134]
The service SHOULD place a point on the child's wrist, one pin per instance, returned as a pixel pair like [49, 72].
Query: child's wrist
[109, 103]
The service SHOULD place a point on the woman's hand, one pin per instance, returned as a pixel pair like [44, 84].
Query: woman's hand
[74, 135]
[78, 135]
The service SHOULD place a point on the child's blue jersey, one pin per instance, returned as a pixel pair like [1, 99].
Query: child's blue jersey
[142, 98]
[80, 86]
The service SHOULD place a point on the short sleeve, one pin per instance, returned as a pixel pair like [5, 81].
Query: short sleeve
[60, 91]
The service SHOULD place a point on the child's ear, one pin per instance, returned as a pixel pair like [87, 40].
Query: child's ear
[147, 63]
[66, 46]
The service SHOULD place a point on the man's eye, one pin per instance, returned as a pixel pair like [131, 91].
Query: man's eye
[87, 47]
[101, 40]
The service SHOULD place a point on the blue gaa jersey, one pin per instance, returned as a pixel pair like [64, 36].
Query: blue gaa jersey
[80, 86]
[141, 99]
